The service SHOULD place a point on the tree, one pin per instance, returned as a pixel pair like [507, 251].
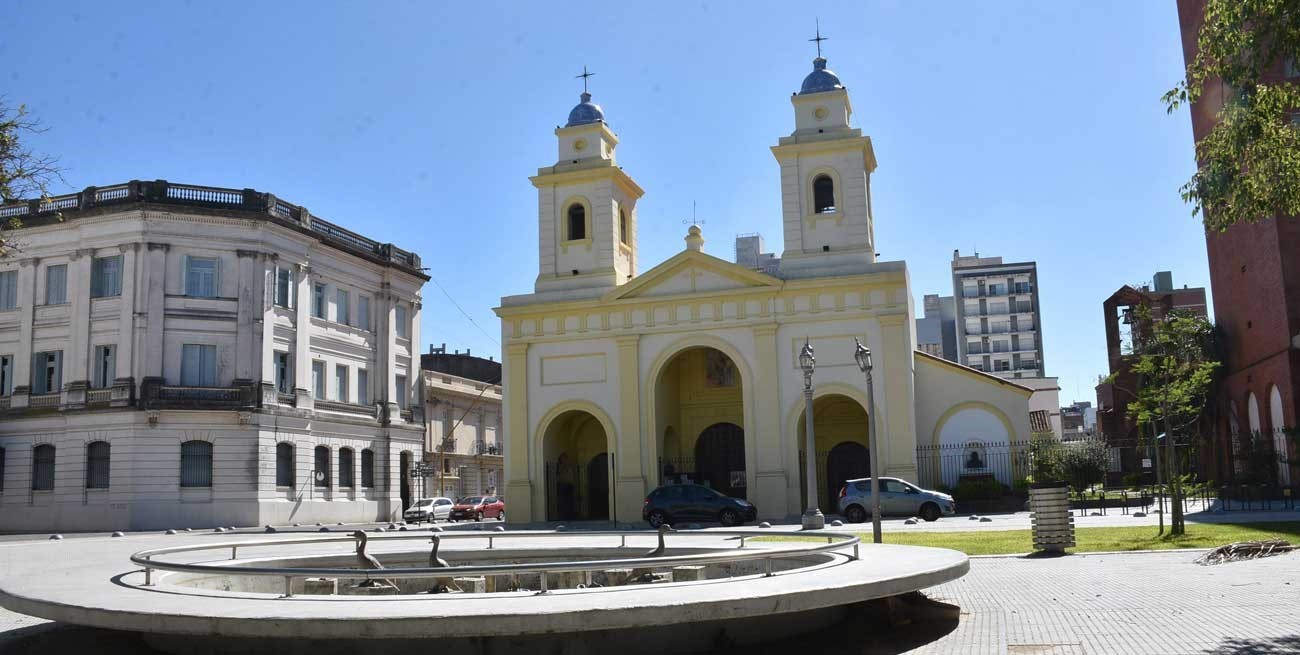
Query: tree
[23, 173]
[1175, 367]
[1083, 463]
[1250, 161]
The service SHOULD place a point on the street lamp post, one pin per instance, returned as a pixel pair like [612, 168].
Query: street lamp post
[812, 517]
[863, 356]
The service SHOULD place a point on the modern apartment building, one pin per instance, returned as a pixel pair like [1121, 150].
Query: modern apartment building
[463, 444]
[187, 356]
[997, 322]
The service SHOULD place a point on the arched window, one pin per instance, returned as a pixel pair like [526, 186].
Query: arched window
[368, 468]
[97, 459]
[284, 468]
[43, 468]
[623, 236]
[323, 475]
[975, 457]
[345, 468]
[823, 194]
[577, 222]
[196, 464]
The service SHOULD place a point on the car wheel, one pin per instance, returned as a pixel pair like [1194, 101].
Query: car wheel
[501, 516]
[729, 517]
[855, 514]
[657, 518]
[479, 516]
[930, 512]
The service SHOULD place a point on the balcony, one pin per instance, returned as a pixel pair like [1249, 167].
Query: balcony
[482, 448]
[362, 411]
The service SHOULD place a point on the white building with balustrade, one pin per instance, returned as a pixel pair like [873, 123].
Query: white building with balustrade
[182, 356]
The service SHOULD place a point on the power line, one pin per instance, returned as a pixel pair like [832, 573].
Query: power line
[463, 312]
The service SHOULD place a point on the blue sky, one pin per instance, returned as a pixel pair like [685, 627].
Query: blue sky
[1031, 130]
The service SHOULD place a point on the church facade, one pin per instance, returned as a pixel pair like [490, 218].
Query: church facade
[617, 381]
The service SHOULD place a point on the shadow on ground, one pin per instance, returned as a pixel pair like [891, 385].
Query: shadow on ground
[1266, 646]
[59, 639]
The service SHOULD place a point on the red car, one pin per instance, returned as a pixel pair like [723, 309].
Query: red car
[478, 508]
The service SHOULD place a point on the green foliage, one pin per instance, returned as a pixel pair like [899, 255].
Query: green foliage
[1020, 487]
[969, 489]
[1250, 161]
[23, 173]
[1083, 463]
[1133, 480]
[1257, 463]
[1044, 460]
[1174, 361]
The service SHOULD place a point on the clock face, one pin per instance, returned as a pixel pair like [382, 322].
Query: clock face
[580, 145]
[821, 113]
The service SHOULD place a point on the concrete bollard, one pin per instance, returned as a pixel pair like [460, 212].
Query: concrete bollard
[475, 585]
[119, 534]
[320, 586]
[688, 573]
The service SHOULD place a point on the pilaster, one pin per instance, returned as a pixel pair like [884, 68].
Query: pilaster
[26, 310]
[126, 317]
[772, 485]
[515, 446]
[77, 359]
[629, 476]
[266, 319]
[155, 308]
[388, 354]
[302, 342]
[898, 421]
[249, 295]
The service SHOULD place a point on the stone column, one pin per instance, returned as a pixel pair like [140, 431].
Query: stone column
[629, 478]
[265, 325]
[154, 290]
[387, 355]
[302, 390]
[125, 378]
[773, 493]
[249, 297]
[76, 361]
[26, 311]
[518, 456]
[897, 416]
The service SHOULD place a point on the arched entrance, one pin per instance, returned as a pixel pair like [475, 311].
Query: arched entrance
[699, 418]
[848, 460]
[404, 473]
[840, 430]
[720, 458]
[578, 473]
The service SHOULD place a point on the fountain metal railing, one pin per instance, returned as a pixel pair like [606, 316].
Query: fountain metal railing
[834, 542]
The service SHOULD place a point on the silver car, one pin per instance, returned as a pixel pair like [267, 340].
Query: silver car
[428, 509]
[897, 498]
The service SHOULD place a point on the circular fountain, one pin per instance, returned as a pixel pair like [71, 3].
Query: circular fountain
[577, 592]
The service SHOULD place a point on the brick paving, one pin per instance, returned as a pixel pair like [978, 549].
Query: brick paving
[1158, 603]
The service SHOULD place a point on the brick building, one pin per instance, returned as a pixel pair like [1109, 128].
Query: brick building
[1113, 398]
[1255, 278]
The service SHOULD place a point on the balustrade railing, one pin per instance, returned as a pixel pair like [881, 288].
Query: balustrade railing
[162, 191]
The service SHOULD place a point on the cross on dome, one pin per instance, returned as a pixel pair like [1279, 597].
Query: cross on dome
[586, 111]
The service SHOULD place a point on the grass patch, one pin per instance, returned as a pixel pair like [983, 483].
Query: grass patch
[1089, 540]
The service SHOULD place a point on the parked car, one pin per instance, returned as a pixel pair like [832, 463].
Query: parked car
[692, 502]
[478, 508]
[428, 509]
[897, 498]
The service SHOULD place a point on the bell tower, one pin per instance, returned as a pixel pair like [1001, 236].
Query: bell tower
[586, 207]
[826, 167]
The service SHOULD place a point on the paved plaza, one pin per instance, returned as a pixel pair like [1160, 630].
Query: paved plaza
[1141, 603]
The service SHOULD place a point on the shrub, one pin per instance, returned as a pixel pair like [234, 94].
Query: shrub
[977, 489]
[1083, 463]
[1133, 480]
[1020, 487]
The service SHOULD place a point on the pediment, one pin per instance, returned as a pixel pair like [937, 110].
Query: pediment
[691, 272]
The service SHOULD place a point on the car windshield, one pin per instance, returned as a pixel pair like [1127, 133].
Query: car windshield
[472, 500]
[424, 503]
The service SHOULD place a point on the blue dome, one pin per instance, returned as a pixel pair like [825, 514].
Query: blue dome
[821, 79]
[585, 112]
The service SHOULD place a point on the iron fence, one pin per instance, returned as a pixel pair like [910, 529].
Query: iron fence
[948, 465]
